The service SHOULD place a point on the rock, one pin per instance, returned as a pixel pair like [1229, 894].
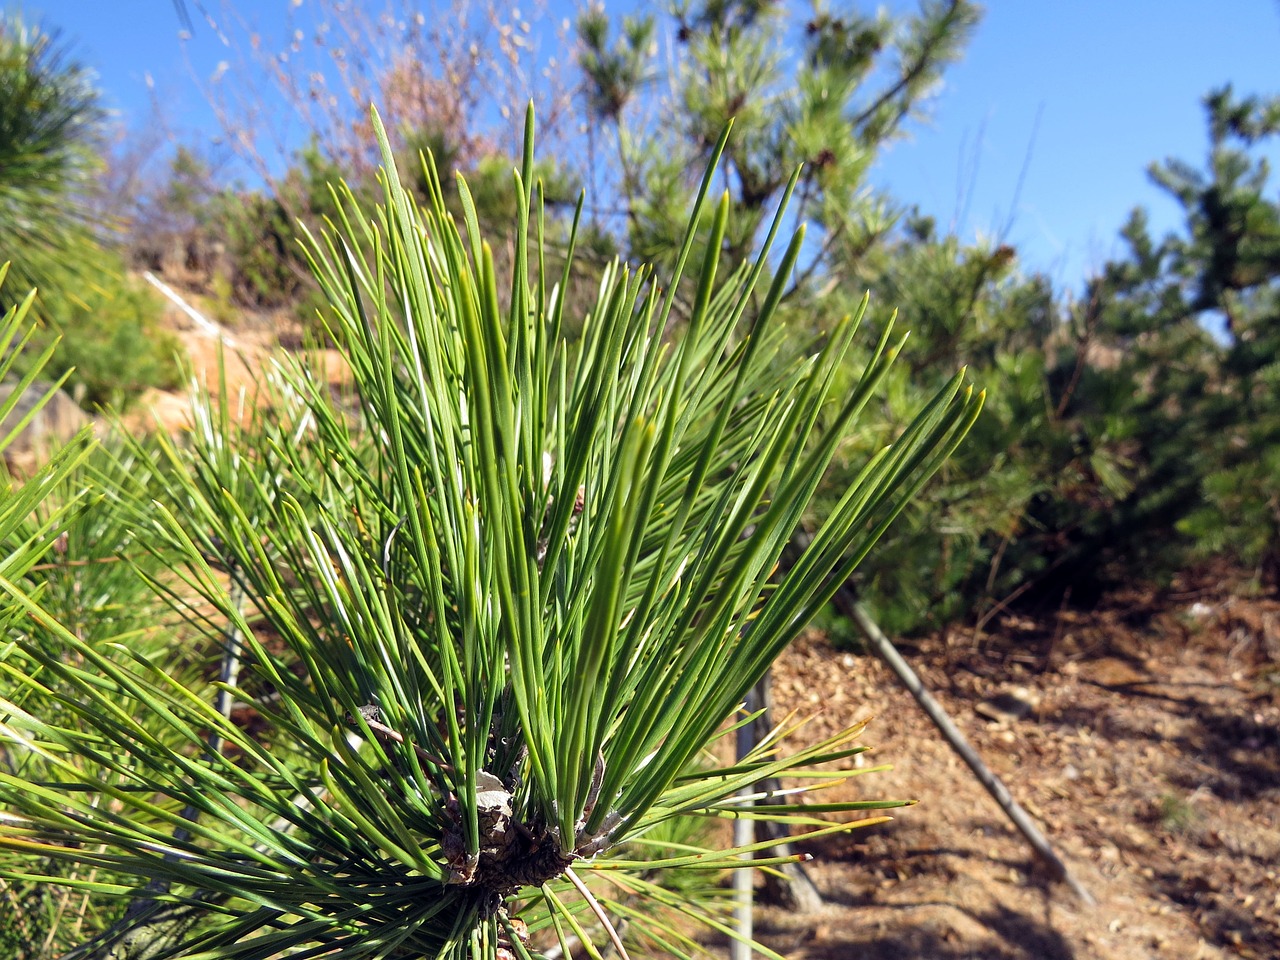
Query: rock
[1009, 706]
[1112, 672]
[54, 424]
[160, 410]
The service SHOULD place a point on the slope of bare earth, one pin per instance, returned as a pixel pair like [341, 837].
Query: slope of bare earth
[234, 358]
[1144, 736]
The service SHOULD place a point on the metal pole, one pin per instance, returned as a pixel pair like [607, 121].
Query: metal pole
[744, 833]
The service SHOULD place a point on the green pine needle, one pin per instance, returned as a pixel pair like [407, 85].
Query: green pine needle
[493, 612]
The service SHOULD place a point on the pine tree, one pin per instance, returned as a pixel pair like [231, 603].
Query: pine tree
[492, 614]
[1196, 408]
[831, 101]
[50, 135]
[966, 304]
[830, 92]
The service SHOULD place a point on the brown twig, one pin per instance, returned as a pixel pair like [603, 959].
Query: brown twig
[60, 564]
[598, 910]
[382, 730]
[1093, 314]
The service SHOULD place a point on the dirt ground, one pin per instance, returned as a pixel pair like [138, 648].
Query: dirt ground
[1143, 736]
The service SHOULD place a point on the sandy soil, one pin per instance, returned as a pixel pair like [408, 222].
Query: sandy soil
[1148, 751]
[220, 356]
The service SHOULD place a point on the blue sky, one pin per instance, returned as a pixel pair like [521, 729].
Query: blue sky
[1086, 95]
[1041, 135]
